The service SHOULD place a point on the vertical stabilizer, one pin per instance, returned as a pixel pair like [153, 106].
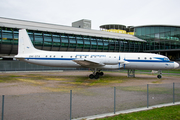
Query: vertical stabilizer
[25, 45]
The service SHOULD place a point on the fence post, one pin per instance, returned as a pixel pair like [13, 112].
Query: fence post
[2, 117]
[114, 100]
[173, 93]
[70, 103]
[147, 95]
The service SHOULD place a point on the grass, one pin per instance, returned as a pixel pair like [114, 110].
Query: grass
[164, 113]
[77, 83]
[6, 79]
[152, 89]
[62, 83]
[100, 82]
[157, 82]
[34, 82]
[133, 88]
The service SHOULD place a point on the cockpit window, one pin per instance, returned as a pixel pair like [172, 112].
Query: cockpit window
[166, 59]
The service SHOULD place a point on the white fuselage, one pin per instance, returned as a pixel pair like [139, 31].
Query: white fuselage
[144, 61]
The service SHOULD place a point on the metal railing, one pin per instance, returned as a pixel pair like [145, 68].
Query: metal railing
[13, 65]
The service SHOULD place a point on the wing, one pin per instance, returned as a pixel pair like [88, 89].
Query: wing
[88, 63]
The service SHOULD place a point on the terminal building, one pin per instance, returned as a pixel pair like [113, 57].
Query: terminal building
[161, 39]
[53, 37]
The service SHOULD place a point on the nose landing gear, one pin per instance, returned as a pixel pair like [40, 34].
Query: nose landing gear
[160, 74]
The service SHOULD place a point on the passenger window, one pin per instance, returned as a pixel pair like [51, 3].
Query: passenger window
[62, 56]
[46, 55]
[54, 56]
[50, 56]
[138, 57]
[145, 58]
[150, 58]
[71, 56]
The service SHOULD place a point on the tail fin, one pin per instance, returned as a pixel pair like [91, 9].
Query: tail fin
[25, 45]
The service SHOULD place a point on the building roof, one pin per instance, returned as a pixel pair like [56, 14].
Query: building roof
[30, 25]
[156, 25]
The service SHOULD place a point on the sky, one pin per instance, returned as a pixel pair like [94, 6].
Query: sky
[100, 12]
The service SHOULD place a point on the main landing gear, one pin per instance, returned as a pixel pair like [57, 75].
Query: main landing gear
[96, 74]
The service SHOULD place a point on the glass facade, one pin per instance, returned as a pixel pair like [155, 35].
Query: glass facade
[66, 42]
[159, 37]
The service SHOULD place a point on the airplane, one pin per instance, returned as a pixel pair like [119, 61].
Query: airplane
[96, 61]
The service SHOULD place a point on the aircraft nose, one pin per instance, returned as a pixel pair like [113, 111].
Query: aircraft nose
[176, 65]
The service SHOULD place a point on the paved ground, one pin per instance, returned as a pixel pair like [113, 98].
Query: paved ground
[35, 100]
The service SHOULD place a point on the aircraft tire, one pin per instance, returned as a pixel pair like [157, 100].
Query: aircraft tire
[91, 76]
[97, 73]
[159, 76]
[96, 76]
[101, 73]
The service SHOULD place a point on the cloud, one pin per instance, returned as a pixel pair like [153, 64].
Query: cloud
[64, 12]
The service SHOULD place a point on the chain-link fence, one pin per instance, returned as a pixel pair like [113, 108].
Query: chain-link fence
[87, 102]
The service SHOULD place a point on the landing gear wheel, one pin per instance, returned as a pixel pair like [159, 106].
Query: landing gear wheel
[96, 76]
[101, 73]
[91, 76]
[97, 73]
[159, 76]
